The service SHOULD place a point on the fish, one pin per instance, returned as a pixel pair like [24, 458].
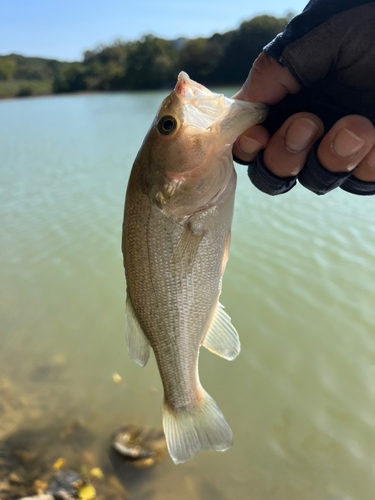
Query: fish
[176, 237]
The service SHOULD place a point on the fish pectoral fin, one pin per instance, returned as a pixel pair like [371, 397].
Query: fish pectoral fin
[192, 430]
[186, 249]
[136, 341]
[222, 338]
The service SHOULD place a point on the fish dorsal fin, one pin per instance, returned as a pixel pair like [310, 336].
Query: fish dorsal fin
[222, 338]
[136, 340]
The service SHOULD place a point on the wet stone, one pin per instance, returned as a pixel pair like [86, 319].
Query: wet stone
[139, 444]
[4, 486]
[15, 479]
[64, 484]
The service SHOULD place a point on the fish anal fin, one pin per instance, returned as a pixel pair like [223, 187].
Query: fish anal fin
[192, 430]
[136, 341]
[222, 338]
[186, 249]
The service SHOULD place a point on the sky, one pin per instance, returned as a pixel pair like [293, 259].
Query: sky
[64, 29]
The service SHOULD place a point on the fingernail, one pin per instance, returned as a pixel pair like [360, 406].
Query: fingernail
[249, 145]
[300, 135]
[346, 143]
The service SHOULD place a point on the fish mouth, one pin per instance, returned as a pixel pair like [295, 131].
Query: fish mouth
[207, 110]
[190, 89]
[201, 106]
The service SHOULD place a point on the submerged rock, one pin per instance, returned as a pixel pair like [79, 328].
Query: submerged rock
[64, 484]
[140, 445]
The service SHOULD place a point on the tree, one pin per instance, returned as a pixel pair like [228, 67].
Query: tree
[7, 68]
[151, 63]
[71, 79]
[200, 58]
[245, 45]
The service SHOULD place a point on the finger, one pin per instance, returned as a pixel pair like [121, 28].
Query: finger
[366, 169]
[250, 143]
[287, 150]
[346, 144]
[268, 82]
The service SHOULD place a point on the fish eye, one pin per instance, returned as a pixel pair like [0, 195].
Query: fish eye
[167, 125]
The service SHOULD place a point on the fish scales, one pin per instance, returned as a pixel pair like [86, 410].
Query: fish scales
[176, 233]
[174, 309]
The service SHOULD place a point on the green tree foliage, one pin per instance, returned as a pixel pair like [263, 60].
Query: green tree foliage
[149, 63]
[200, 57]
[105, 67]
[71, 79]
[244, 46]
[7, 68]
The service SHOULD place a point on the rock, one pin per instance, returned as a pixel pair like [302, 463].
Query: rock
[40, 486]
[64, 484]
[4, 486]
[137, 443]
[116, 378]
[15, 478]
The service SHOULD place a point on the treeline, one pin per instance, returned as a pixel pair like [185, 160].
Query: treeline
[23, 76]
[152, 63]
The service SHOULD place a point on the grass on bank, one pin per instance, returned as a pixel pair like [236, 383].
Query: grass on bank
[24, 88]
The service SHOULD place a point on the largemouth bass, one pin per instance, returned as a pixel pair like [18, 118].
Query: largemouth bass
[176, 237]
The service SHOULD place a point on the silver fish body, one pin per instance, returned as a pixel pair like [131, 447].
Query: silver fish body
[176, 237]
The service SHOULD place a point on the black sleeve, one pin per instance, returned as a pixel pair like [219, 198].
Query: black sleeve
[330, 50]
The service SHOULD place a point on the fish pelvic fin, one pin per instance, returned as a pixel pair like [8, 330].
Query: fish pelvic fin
[186, 249]
[136, 341]
[191, 430]
[222, 338]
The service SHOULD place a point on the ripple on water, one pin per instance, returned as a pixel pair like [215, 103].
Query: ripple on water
[299, 286]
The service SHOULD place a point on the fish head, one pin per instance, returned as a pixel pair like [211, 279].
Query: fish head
[188, 150]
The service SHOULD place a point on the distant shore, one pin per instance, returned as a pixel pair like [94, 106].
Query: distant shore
[150, 63]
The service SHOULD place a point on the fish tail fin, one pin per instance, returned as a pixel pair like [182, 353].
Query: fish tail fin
[201, 428]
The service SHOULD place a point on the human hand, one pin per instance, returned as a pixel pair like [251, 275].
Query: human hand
[347, 146]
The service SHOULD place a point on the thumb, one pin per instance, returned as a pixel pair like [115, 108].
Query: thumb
[268, 82]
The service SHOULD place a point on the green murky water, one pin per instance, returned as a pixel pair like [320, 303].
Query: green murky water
[299, 286]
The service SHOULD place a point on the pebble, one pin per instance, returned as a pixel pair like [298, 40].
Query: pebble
[117, 379]
[15, 478]
[4, 486]
[40, 486]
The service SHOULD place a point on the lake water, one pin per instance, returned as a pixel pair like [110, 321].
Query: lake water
[299, 286]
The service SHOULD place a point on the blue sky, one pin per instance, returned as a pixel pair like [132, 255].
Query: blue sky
[64, 29]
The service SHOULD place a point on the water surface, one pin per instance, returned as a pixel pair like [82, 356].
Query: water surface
[299, 286]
